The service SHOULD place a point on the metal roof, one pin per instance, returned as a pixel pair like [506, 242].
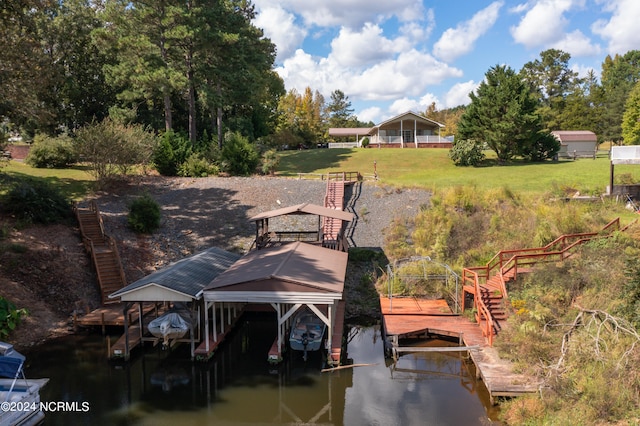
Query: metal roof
[305, 208]
[349, 131]
[294, 268]
[413, 116]
[184, 278]
[575, 135]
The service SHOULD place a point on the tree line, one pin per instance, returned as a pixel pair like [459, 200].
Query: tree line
[513, 112]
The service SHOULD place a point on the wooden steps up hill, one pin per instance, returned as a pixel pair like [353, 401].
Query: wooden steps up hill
[333, 229]
[103, 251]
[487, 285]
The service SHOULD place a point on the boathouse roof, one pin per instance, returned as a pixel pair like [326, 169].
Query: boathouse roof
[305, 208]
[297, 272]
[180, 281]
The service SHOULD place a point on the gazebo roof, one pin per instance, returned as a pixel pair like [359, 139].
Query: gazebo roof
[180, 281]
[305, 208]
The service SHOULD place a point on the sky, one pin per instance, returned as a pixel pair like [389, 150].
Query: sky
[393, 56]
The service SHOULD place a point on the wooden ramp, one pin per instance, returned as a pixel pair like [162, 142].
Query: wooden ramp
[405, 318]
[103, 251]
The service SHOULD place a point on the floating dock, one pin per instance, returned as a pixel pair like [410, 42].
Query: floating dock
[406, 318]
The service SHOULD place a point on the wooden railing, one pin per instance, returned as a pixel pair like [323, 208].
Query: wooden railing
[344, 176]
[509, 261]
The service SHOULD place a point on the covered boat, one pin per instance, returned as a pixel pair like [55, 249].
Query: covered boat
[17, 390]
[307, 331]
[169, 326]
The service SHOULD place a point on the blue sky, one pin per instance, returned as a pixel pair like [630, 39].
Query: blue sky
[392, 56]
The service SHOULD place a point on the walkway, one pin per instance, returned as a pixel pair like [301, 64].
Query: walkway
[405, 318]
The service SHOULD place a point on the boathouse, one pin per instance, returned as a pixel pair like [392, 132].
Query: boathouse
[285, 277]
[180, 282]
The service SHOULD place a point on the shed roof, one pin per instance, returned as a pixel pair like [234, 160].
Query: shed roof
[296, 268]
[575, 136]
[181, 280]
[305, 208]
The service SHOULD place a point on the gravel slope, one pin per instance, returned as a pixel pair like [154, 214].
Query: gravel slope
[215, 211]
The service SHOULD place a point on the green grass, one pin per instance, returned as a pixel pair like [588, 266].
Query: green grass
[432, 169]
[75, 183]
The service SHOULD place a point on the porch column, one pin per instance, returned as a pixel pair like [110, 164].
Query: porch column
[415, 132]
[222, 318]
[206, 325]
[401, 134]
[215, 325]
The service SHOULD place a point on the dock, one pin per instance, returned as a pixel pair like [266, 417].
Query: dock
[408, 317]
[110, 316]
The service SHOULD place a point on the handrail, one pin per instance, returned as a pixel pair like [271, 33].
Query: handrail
[523, 257]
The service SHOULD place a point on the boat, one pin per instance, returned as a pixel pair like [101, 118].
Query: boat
[307, 331]
[18, 392]
[169, 326]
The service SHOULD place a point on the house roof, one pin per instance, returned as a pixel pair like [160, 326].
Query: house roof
[349, 131]
[296, 271]
[181, 280]
[409, 115]
[305, 208]
[575, 136]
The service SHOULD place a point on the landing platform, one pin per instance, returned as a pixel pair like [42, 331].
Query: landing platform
[405, 318]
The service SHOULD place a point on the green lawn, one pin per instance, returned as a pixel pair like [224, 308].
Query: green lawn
[74, 182]
[432, 169]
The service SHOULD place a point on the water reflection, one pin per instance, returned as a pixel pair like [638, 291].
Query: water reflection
[238, 386]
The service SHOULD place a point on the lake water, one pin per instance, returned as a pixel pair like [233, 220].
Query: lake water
[238, 387]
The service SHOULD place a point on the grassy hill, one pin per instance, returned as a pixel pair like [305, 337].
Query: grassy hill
[432, 169]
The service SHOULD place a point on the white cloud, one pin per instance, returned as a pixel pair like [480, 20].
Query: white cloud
[280, 27]
[366, 47]
[352, 14]
[544, 22]
[577, 44]
[370, 114]
[405, 104]
[621, 31]
[459, 94]
[458, 41]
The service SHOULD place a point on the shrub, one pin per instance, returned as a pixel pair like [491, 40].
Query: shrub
[113, 148]
[36, 201]
[365, 142]
[196, 166]
[144, 215]
[238, 155]
[52, 153]
[173, 150]
[9, 317]
[270, 161]
[466, 152]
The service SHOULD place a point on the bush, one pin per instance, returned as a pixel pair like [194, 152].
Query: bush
[365, 142]
[196, 166]
[113, 148]
[52, 153]
[466, 152]
[173, 150]
[36, 201]
[270, 161]
[144, 215]
[9, 317]
[239, 157]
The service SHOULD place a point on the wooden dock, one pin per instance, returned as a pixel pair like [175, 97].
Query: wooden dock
[405, 318]
[110, 315]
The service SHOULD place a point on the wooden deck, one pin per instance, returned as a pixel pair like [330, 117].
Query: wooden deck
[405, 318]
[110, 315]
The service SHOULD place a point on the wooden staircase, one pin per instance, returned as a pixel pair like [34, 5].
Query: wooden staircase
[488, 284]
[333, 199]
[103, 251]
